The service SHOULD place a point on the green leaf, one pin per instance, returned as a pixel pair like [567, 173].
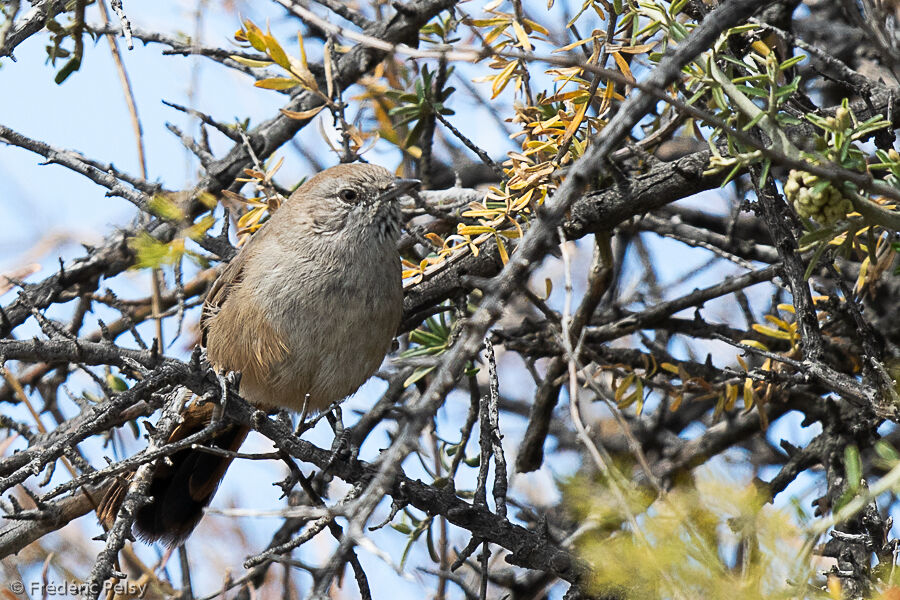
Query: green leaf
[415, 535]
[754, 121]
[418, 374]
[814, 260]
[885, 450]
[430, 338]
[429, 543]
[152, 253]
[165, 208]
[737, 168]
[753, 91]
[791, 62]
[853, 468]
[116, 384]
[764, 174]
[816, 235]
[785, 119]
[402, 528]
[70, 67]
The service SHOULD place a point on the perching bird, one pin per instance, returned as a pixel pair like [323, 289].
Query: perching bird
[306, 311]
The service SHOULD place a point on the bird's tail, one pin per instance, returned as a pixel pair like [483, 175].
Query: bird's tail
[182, 485]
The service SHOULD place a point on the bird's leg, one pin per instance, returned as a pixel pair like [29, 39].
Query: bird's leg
[224, 379]
[341, 444]
[303, 425]
[219, 408]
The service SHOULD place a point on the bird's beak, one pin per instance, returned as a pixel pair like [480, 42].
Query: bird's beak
[398, 188]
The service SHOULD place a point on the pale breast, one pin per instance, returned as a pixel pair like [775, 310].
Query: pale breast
[336, 329]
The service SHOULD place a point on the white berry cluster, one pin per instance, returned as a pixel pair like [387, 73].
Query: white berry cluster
[823, 203]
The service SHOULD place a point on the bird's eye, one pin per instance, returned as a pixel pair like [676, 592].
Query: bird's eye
[348, 195]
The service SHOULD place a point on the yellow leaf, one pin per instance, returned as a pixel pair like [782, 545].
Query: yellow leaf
[720, 405]
[669, 367]
[676, 402]
[521, 36]
[474, 229]
[434, 239]
[752, 344]
[271, 172]
[504, 256]
[255, 36]
[535, 26]
[650, 371]
[522, 201]
[538, 145]
[731, 394]
[623, 66]
[761, 48]
[608, 94]
[276, 83]
[502, 78]
[251, 218]
[250, 62]
[787, 308]
[580, 93]
[622, 388]
[748, 392]
[275, 50]
[494, 33]
[490, 22]
[486, 214]
[302, 50]
[302, 114]
[835, 590]
[578, 148]
[638, 49]
[742, 363]
[775, 333]
[628, 400]
[207, 200]
[197, 230]
[861, 279]
[779, 322]
[576, 122]
[300, 68]
[639, 395]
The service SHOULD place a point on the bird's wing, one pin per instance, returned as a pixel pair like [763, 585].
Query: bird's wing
[231, 276]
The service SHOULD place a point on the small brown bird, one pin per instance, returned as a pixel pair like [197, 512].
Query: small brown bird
[306, 311]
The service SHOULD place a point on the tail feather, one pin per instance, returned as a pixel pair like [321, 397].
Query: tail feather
[182, 486]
